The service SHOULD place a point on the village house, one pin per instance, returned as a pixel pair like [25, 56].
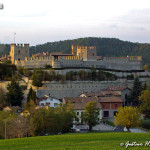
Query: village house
[124, 92]
[110, 106]
[78, 105]
[49, 101]
[107, 101]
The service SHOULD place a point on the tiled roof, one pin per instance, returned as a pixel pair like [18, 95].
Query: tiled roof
[110, 100]
[80, 102]
[102, 93]
[38, 55]
[56, 53]
[42, 98]
[111, 88]
[61, 55]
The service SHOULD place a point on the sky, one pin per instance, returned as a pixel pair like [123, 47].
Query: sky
[37, 22]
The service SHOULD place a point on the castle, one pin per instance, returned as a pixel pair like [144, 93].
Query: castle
[81, 57]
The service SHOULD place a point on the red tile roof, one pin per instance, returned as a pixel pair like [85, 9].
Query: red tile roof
[102, 93]
[111, 88]
[42, 98]
[110, 100]
[80, 102]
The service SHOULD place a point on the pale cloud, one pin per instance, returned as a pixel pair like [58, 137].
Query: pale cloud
[37, 22]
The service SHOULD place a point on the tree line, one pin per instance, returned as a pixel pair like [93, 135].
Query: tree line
[105, 47]
[39, 75]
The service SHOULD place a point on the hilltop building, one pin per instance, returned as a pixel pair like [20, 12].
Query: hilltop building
[81, 57]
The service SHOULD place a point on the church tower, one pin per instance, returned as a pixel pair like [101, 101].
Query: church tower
[18, 52]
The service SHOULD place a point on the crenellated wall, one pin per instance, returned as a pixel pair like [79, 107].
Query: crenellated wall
[34, 62]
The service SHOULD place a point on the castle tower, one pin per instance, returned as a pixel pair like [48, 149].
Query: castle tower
[74, 50]
[18, 52]
[85, 52]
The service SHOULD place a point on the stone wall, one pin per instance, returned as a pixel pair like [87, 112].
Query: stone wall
[31, 62]
[72, 88]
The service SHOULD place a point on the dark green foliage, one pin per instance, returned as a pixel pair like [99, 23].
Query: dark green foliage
[3, 102]
[14, 96]
[5, 117]
[6, 71]
[135, 92]
[146, 124]
[53, 121]
[4, 49]
[110, 123]
[25, 72]
[130, 77]
[31, 95]
[48, 66]
[37, 78]
[105, 47]
[23, 87]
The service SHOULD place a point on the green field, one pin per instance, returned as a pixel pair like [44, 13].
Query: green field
[77, 141]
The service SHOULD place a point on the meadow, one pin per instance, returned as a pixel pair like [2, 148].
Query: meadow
[77, 141]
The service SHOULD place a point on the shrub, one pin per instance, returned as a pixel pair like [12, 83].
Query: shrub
[146, 124]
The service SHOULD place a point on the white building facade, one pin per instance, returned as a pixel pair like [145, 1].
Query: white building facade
[49, 101]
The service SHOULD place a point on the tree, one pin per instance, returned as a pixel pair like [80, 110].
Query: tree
[127, 117]
[14, 96]
[90, 116]
[135, 92]
[2, 99]
[31, 95]
[67, 114]
[82, 74]
[144, 100]
[145, 67]
[5, 118]
[37, 78]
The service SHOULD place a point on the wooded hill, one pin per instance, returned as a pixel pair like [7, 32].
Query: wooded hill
[105, 47]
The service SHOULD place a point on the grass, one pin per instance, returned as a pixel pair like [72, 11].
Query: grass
[76, 141]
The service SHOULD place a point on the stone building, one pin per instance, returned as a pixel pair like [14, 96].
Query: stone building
[18, 52]
[81, 57]
[85, 52]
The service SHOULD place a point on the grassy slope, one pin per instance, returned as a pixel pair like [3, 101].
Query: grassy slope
[101, 141]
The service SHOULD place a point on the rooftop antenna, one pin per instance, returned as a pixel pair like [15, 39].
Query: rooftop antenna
[14, 37]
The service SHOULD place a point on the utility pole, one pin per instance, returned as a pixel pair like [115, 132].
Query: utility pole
[14, 37]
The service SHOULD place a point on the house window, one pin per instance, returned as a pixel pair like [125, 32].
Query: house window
[19, 52]
[77, 113]
[106, 113]
[116, 105]
[126, 96]
[103, 106]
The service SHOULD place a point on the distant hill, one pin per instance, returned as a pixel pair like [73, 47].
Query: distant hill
[105, 47]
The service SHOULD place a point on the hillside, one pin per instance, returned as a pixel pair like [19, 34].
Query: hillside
[105, 47]
[78, 141]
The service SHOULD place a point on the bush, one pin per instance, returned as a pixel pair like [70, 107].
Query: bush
[146, 124]
[130, 77]
[110, 123]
